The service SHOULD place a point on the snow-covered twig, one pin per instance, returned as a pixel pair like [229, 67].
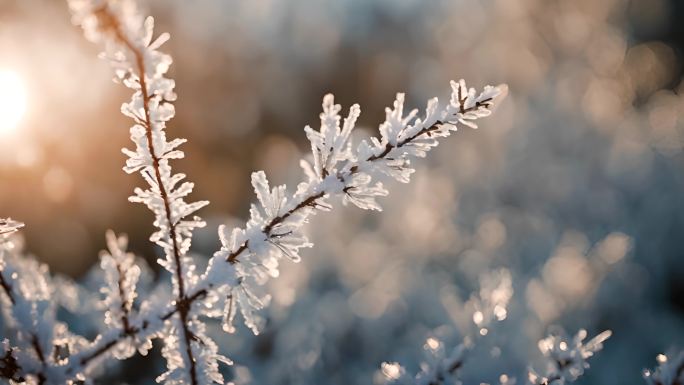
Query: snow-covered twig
[566, 359]
[121, 275]
[27, 306]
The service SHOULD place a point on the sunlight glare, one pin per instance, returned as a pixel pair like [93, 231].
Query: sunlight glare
[12, 101]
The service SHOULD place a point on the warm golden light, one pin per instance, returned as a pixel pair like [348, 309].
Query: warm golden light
[12, 101]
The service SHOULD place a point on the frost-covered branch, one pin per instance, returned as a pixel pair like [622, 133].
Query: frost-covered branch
[566, 359]
[339, 169]
[121, 275]
[440, 368]
[27, 306]
[141, 67]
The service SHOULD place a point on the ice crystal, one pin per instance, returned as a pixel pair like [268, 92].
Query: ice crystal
[330, 144]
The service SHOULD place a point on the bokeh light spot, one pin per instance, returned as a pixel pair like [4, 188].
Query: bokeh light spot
[12, 101]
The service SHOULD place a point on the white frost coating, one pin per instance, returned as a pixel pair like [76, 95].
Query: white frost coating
[670, 370]
[8, 226]
[331, 143]
[566, 359]
[205, 354]
[131, 50]
[121, 275]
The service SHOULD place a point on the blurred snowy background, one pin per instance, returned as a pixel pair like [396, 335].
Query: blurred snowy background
[575, 185]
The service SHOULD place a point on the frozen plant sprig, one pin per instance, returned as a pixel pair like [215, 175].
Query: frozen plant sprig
[670, 370]
[439, 368]
[35, 338]
[138, 64]
[121, 275]
[340, 169]
[566, 359]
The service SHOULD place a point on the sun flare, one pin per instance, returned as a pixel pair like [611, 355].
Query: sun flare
[12, 101]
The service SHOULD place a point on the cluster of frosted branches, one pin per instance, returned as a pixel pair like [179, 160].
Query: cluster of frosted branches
[439, 368]
[27, 295]
[566, 359]
[670, 370]
[38, 349]
[43, 351]
[442, 368]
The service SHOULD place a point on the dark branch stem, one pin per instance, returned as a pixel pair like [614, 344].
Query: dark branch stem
[9, 367]
[310, 201]
[124, 310]
[428, 130]
[41, 357]
[183, 305]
